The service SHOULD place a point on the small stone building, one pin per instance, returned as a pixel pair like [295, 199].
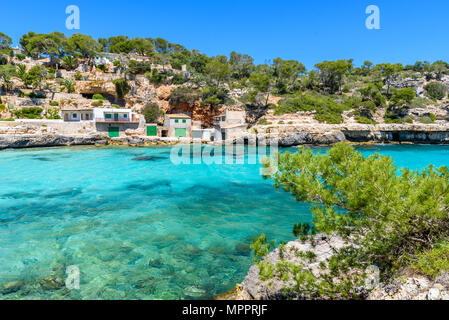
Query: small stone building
[77, 115]
[231, 124]
[177, 125]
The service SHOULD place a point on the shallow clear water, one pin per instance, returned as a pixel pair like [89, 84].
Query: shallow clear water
[140, 227]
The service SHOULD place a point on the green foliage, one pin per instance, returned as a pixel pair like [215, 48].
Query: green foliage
[433, 261]
[138, 67]
[122, 87]
[78, 77]
[403, 96]
[427, 119]
[218, 70]
[156, 77]
[436, 90]
[80, 45]
[69, 62]
[286, 74]
[98, 96]
[20, 56]
[260, 246]
[101, 67]
[215, 96]
[364, 120]
[152, 112]
[29, 113]
[332, 72]
[54, 103]
[183, 95]
[303, 230]
[388, 217]
[97, 103]
[38, 45]
[327, 109]
[53, 114]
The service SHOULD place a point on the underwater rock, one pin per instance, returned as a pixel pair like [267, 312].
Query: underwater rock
[147, 286]
[12, 287]
[149, 158]
[155, 263]
[194, 292]
[52, 283]
[242, 249]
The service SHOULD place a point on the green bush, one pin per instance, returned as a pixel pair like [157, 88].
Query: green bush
[122, 87]
[78, 77]
[29, 113]
[433, 261]
[138, 67]
[101, 67]
[8, 119]
[97, 103]
[20, 56]
[98, 97]
[156, 77]
[365, 120]
[54, 103]
[53, 114]
[436, 90]
[116, 106]
[152, 112]
[327, 109]
[428, 119]
[183, 95]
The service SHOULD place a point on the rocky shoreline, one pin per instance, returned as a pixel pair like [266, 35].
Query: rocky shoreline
[284, 136]
[404, 286]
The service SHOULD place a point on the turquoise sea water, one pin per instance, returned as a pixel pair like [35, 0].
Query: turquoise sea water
[140, 227]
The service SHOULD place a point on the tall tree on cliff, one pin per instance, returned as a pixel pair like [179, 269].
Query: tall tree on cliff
[286, 73]
[218, 70]
[389, 72]
[332, 72]
[83, 46]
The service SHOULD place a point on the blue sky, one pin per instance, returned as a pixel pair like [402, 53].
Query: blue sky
[308, 31]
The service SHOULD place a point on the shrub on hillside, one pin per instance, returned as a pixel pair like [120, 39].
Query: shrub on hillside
[436, 90]
[327, 109]
[138, 67]
[97, 103]
[53, 114]
[183, 95]
[152, 112]
[29, 113]
[122, 87]
[98, 97]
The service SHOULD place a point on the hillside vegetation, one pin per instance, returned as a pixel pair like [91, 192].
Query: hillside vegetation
[332, 91]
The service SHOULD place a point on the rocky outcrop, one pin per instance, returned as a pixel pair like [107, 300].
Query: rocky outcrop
[49, 140]
[291, 135]
[253, 288]
[413, 287]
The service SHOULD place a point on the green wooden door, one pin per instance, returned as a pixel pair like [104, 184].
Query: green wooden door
[114, 132]
[151, 131]
[180, 132]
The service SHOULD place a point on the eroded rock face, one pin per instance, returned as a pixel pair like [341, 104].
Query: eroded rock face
[48, 140]
[415, 287]
[253, 288]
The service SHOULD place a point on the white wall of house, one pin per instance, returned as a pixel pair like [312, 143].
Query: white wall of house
[112, 114]
[77, 116]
